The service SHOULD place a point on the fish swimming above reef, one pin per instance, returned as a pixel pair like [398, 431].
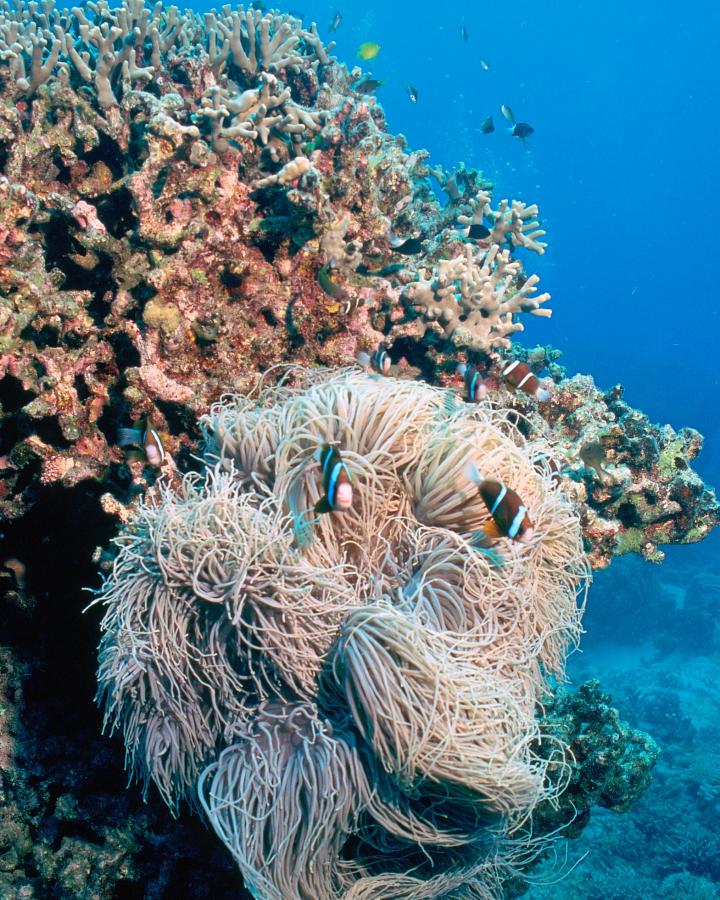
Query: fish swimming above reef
[488, 126]
[519, 375]
[147, 439]
[593, 457]
[337, 483]
[385, 272]
[406, 246]
[368, 50]
[368, 85]
[508, 515]
[335, 24]
[519, 130]
[412, 93]
[379, 362]
[478, 232]
[464, 34]
[475, 386]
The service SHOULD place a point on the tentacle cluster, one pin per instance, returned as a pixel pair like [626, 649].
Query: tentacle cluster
[356, 692]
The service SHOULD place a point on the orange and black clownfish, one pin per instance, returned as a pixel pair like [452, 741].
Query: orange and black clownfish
[147, 438]
[508, 515]
[520, 376]
[337, 482]
[543, 462]
[475, 386]
[380, 360]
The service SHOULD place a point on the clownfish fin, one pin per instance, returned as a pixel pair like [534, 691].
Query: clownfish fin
[461, 369]
[129, 437]
[493, 555]
[472, 473]
[491, 530]
[323, 506]
[363, 359]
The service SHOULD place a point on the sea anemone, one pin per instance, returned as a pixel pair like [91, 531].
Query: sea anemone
[354, 694]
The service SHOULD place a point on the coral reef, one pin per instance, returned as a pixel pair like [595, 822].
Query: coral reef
[358, 688]
[186, 201]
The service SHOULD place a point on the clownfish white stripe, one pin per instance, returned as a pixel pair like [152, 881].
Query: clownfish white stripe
[508, 369]
[498, 501]
[517, 522]
[523, 380]
[332, 486]
[473, 383]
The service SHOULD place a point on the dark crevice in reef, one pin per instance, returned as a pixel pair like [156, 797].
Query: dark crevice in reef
[68, 792]
[117, 213]
[107, 152]
[98, 280]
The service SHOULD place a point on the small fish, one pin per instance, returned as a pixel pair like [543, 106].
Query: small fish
[484, 65]
[409, 247]
[508, 515]
[542, 463]
[368, 50]
[593, 457]
[335, 24]
[519, 375]
[464, 34]
[386, 271]
[328, 285]
[488, 126]
[476, 387]
[522, 130]
[478, 232]
[146, 438]
[508, 113]
[368, 85]
[257, 4]
[337, 482]
[380, 360]
[412, 93]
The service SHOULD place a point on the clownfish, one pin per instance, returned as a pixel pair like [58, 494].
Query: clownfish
[380, 360]
[476, 387]
[508, 515]
[542, 462]
[337, 482]
[519, 375]
[146, 438]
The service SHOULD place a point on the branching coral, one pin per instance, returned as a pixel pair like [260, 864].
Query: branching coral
[377, 652]
[474, 298]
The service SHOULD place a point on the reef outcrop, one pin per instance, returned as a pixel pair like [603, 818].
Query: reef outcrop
[186, 202]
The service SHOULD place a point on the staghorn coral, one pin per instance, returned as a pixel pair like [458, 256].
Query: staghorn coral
[258, 648]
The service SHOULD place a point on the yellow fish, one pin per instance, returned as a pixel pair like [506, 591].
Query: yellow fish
[368, 50]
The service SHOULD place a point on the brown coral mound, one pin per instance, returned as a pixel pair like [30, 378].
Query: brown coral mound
[360, 689]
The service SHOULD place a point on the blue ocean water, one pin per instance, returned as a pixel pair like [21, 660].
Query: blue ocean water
[623, 100]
